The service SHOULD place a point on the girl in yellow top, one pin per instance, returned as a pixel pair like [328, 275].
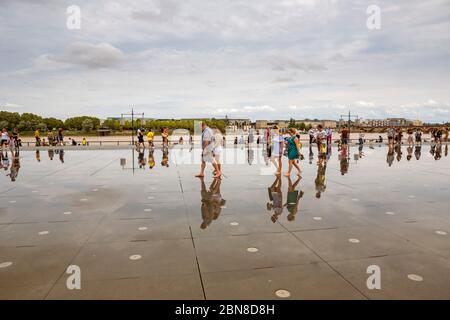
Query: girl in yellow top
[150, 135]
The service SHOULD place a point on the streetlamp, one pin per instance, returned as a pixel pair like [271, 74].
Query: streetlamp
[132, 114]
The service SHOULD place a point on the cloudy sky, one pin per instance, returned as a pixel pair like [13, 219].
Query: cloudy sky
[258, 59]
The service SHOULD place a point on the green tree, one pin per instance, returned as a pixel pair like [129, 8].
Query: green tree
[12, 118]
[87, 125]
[76, 123]
[112, 124]
[4, 124]
[291, 123]
[53, 123]
[302, 126]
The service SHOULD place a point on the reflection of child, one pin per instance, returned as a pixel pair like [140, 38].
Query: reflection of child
[165, 158]
[320, 180]
[151, 160]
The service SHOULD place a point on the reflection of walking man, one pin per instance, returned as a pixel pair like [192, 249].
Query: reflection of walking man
[212, 202]
[207, 151]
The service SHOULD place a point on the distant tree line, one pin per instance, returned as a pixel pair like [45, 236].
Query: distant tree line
[31, 122]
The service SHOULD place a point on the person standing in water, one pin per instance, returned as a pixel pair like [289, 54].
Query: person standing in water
[60, 136]
[391, 135]
[418, 135]
[410, 138]
[5, 139]
[321, 138]
[277, 149]
[37, 137]
[217, 149]
[207, 151]
[345, 134]
[140, 137]
[293, 148]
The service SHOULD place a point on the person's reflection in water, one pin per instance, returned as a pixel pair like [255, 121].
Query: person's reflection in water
[38, 156]
[320, 180]
[410, 152]
[418, 151]
[151, 158]
[51, 153]
[276, 199]
[360, 151]
[250, 155]
[446, 150]
[432, 147]
[61, 155]
[4, 160]
[165, 158]
[343, 158]
[329, 151]
[311, 154]
[212, 202]
[390, 155]
[293, 198]
[398, 150]
[438, 153]
[15, 166]
[141, 159]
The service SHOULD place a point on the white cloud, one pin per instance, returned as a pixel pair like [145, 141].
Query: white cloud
[9, 105]
[362, 103]
[102, 55]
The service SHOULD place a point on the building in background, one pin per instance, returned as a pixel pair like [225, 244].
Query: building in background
[376, 123]
[238, 124]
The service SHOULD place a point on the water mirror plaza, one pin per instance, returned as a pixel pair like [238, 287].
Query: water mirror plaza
[138, 232]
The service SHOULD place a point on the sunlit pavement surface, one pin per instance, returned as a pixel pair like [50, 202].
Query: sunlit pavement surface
[141, 233]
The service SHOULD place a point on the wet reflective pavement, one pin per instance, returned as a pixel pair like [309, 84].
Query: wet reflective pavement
[161, 233]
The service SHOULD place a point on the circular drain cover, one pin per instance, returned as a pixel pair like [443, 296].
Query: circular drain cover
[151, 197]
[415, 277]
[135, 257]
[440, 232]
[234, 223]
[411, 197]
[84, 199]
[67, 212]
[251, 249]
[317, 218]
[95, 190]
[43, 233]
[355, 199]
[282, 293]
[5, 264]
[142, 228]
[352, 240]
[390, 213]
[13, 201]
